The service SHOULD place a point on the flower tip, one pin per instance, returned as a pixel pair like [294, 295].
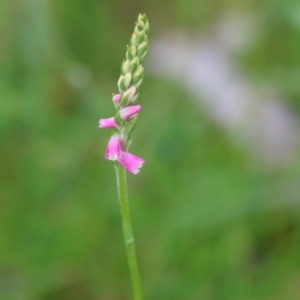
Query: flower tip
[116, 98]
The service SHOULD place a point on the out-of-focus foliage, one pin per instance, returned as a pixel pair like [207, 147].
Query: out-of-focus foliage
[211, 221]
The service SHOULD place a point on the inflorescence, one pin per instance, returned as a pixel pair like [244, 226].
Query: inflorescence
[129, 83]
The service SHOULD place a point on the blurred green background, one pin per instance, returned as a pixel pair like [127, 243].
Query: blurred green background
[212, 220]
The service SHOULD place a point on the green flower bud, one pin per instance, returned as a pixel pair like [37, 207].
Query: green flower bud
[130, 125]
[133, 65]
[141, 18]
[147, 26]
[133, 40]
[140, 37]
[118, 120]
[124, 82]
[131, 52]
[143, 56]
[142, 48]
[127, 96]
[133, 99]
[138, 84]
[125, 67]
[140, 25]
[137, 74]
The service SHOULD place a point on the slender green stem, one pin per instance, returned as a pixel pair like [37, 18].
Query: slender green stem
[127, 231]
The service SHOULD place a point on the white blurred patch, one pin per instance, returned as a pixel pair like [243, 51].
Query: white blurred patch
[205, 65]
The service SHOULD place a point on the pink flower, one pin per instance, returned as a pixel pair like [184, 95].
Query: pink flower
[131, 162]
[129, 111]
[116, 98]
[106, 123]
[113, 149]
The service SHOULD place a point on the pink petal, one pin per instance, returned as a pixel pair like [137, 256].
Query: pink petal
[113, 149]
[129, 111]
[107, 123]
[116, 98]
[130, 162]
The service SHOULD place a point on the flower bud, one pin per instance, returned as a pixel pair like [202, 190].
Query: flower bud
[133, 65]
[133, 40]
[129, 126]
[140, 37]
[143, 56]
[124, 82]
[119, 122]
[131, 52]
[140, 25]
[124, 67]
[147, 26]
[138, 84]
[137, 74]
[127, 96]
[142, 48]
[140, 18]
[133, 99]
[116, 99]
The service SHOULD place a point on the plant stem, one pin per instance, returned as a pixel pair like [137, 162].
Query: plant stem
[127, 231]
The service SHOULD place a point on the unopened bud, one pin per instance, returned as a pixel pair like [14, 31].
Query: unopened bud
[131, 52]
[147, 26]
[116, 98]
[137, 74]
[118, 120]
[140, 18]
[142, 48]
[130, 125]
[133, 65]
[140, 25]
[124, 67]
[124, 82]
[127, 96]
[140, 37]
[133, 99]
[138, 84]
[133, 40]
[143, 56]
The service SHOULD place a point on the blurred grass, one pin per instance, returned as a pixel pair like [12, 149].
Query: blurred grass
[211, 221]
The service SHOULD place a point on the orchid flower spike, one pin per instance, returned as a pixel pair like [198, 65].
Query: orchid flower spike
[130, 80]
[124, 121]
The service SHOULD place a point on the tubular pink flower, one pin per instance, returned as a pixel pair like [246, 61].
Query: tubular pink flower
[107, 123]
[130, 162]
[129, 111]
[113, 149]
